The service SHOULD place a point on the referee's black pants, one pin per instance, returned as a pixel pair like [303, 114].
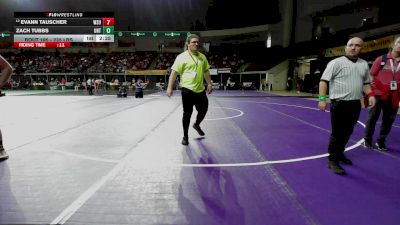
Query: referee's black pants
[190, 99]
[344, 116]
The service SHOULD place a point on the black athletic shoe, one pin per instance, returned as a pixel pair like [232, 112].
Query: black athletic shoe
[185, 141]
[198, 129]
[3, 154]
[346, 160]
[336, 168]
[367, 144]
[381, 145]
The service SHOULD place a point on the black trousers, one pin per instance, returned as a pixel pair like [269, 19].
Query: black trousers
[190, 99]
[90, 89]
[389, 115]
[344, 116]
[139, 94]
[1, 139]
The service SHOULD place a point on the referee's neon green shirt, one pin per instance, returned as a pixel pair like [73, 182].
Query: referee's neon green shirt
[191, 69]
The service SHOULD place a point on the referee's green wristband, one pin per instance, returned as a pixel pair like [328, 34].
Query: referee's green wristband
[322, 98]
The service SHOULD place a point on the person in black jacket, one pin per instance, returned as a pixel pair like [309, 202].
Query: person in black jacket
[139, 86]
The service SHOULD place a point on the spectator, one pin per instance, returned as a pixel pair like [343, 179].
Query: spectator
[386, 87]
[139, 86]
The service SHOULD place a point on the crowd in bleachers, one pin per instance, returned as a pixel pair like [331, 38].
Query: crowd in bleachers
[54, 62]
[232, 61]
[38, 69]
[119, 62]
[115, 62]
[165, 60]
[225, 61]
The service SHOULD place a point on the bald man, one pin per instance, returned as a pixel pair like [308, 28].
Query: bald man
[347, 76]
[6, 71]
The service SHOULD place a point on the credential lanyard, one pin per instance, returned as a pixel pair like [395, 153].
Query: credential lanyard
[197, 62]
[392, 67]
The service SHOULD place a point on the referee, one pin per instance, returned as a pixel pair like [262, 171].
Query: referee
[348, 76]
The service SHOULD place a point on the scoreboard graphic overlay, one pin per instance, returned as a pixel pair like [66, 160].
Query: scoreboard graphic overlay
[59, 29]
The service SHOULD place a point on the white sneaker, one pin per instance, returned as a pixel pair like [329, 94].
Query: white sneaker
[3, 153]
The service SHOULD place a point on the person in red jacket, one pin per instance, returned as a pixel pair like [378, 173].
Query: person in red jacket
[6, 71]
[386, 86]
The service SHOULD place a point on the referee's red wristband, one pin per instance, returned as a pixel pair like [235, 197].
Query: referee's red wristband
[371, 94]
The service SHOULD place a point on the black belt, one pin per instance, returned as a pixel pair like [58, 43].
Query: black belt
[340, 100]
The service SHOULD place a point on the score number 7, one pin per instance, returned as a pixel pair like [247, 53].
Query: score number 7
[108, 21]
